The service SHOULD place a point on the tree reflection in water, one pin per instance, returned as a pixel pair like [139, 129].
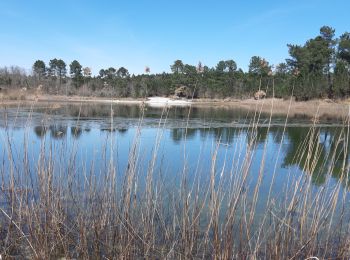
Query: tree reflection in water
[318, 150]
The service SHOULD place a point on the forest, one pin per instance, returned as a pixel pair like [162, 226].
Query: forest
[320, 68]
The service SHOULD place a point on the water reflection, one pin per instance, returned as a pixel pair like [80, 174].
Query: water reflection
[317, 151]
[310, 150]
[58, 131]
[306, 151]
[122, 131]
[76, 131]
[313, 150]
[40, 131]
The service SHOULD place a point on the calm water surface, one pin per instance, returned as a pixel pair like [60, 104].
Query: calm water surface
[81, 137]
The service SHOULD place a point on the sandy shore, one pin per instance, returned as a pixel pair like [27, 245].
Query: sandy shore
[321, 108]
[330, 108]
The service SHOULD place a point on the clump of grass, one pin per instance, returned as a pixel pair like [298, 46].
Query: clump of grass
[59, 210]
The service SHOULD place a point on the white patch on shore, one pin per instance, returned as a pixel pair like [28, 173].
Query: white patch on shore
[163, 101]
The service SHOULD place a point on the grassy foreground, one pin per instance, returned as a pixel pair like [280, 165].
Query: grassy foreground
[54, 211]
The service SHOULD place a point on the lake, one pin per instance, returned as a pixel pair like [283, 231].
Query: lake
[190, 133]
[199, 152]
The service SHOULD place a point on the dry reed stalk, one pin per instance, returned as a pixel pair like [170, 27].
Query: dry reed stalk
[59, 213]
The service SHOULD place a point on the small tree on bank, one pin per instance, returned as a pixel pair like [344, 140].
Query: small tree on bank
[75, 70]
[39, 69]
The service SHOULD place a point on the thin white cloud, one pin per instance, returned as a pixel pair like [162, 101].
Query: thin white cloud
[258, 20]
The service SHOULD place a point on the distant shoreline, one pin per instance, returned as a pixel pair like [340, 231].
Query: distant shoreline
[326, 107]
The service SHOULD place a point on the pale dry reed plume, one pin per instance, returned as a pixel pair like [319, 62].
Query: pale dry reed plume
[57, 209]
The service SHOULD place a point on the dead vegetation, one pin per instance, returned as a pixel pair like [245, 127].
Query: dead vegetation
[57, 211]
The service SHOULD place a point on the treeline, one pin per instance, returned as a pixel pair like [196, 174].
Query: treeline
[317, 69]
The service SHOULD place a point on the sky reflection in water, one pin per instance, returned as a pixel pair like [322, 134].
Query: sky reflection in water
[86, 134]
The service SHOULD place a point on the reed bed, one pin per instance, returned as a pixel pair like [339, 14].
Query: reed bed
[56, 210]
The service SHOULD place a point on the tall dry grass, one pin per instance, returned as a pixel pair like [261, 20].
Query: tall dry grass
[58, 210]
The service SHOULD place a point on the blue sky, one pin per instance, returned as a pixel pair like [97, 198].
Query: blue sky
[154, 33]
